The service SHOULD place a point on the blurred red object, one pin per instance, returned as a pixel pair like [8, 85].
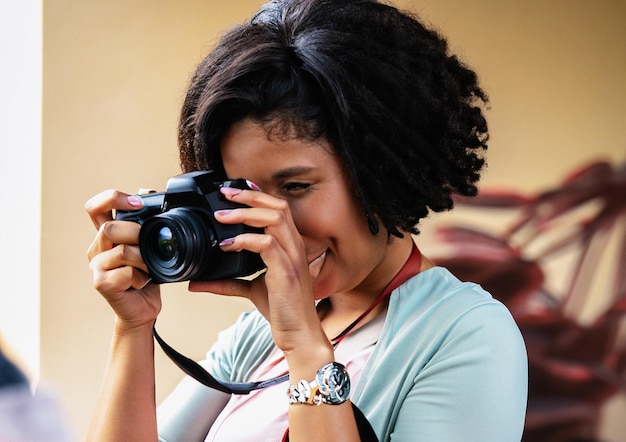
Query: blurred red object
[574, 367]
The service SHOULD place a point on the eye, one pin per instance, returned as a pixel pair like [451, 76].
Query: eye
[295, 187]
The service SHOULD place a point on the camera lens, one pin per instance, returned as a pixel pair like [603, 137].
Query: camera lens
[178, 244]
[166, 244]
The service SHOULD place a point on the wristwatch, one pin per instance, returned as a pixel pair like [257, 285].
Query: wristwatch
[330, 386]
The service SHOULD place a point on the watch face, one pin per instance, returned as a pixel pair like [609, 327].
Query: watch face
[333, 383]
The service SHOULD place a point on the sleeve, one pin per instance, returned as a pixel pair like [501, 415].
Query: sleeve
[190, 410]
[474, 388]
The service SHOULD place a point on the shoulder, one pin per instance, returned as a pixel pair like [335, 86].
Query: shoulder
[240, 347]
[437, 306]
[437, 291]
[452, 348]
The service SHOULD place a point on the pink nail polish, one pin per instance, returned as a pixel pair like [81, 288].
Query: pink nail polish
[252, 186]
[223, 212]
[227, 242]
[232, 191]
[135, 201]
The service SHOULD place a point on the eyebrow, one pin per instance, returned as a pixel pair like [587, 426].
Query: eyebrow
[291, 172]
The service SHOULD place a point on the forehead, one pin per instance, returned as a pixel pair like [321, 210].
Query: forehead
[250, 148]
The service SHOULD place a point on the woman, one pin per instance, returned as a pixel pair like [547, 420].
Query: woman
[351, 122]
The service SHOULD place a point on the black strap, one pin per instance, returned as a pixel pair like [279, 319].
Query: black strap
[366, 432]
[196, 371]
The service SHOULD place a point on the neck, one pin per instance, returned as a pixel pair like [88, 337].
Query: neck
[343, 308]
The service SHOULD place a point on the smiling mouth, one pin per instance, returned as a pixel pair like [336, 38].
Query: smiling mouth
[315, 266]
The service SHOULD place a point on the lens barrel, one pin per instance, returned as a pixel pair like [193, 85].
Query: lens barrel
[177, 245]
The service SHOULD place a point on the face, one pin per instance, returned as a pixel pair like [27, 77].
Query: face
[310, 177]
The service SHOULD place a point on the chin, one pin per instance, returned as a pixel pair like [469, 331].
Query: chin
[324, 288]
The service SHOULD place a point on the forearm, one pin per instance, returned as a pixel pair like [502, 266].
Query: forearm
[126, 408]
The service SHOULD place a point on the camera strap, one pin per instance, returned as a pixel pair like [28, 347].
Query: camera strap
[196, 371]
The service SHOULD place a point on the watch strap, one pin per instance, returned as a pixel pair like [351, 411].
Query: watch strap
[330, 386]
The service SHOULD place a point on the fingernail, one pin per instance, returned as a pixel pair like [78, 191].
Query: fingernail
[227, 242]
[135, 201]
[252, 186]
[222, 212]
[230, 191]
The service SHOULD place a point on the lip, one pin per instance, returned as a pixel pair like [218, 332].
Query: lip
[315, 266]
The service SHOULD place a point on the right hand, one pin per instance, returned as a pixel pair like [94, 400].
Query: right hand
[119, 273]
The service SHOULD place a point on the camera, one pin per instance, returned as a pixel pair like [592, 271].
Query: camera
[179, 237]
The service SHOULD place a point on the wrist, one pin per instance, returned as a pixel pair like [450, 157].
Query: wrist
[126, 328]
[305, 361]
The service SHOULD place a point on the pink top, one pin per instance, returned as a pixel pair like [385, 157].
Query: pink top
[262, 414]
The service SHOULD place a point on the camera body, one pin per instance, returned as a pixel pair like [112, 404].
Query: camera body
[179, 237]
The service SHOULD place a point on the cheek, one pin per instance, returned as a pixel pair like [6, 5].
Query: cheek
[312, 217]
[332, 218]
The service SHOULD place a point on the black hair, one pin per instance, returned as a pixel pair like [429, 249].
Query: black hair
[404, 115]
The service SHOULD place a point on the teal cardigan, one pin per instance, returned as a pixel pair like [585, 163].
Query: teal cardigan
[450, 365]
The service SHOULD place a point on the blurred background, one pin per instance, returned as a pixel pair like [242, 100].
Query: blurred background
[97, 108]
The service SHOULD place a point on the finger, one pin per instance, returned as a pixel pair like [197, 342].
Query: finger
[119, 280]
[265, 211]
[119, 256]
[112, 233]
[286, 266]
[227, 287]
[236, 287]
[276, 223]
[100, 207]
[253, 198]
[254, 217]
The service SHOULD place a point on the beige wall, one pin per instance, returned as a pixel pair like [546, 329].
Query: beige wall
[114, 75]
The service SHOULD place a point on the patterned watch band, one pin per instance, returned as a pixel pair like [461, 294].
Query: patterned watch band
[330, 386]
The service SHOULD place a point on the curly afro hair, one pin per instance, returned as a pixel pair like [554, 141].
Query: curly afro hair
[405, 115]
